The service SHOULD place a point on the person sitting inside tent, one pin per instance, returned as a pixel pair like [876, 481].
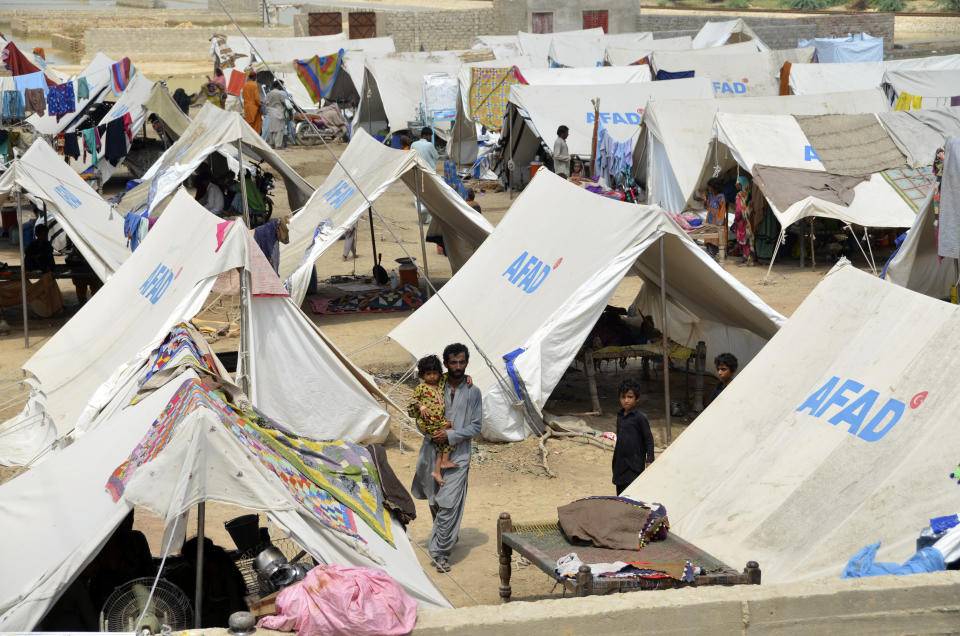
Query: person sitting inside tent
[472, 200]
[727, 365]
[210, 194]
[634, 450]
[83, 279]
[125, 556]
[716, 210]
[223, 586]
[38, 257]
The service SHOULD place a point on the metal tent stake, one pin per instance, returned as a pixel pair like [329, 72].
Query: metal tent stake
[665, 338]
[23, 272]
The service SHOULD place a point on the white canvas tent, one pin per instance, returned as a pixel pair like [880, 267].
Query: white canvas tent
[576, 52]
[823, 419]
[535, 112]
[626, 54]
[54, 533]
[603, 75]
[283, 50]
[679, 134]
[537, 45]
[537, 286]
[86, 218]
[778, 141]
[392, 93]
[211, 130]
[735, 75]
[714, 34]
[854, 47]
[366, 169]
[807, 79]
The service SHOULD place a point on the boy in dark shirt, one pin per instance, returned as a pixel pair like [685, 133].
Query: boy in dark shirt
[39, 254]
[727, 366]
[634, 449]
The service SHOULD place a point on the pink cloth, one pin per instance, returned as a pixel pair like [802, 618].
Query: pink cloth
[334, 600]
[221, 233]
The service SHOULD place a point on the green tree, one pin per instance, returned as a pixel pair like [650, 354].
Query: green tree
[889, 5]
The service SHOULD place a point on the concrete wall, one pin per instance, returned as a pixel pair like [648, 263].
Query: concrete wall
[779, 30]
[568, 14]
[142, 4]
[186, 44]
[921, 603]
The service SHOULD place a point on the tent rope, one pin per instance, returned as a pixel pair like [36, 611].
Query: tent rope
[504, 385]
[156, 579]
[448, 575]
[350, 354]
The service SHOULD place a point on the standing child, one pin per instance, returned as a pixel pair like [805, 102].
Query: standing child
[726, 370]
[428, 408]
[634, 449]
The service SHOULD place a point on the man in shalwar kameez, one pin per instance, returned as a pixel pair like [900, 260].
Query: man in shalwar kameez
[463, 404]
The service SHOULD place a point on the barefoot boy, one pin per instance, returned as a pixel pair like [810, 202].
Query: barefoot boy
[634, 449]
[428, 408]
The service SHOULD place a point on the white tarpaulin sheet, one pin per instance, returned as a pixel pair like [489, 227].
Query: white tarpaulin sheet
[339, 202]
[777, 140]
[576, 52]
[280, 50]
[536, 285]
[212, 129]
[854, 76]
[714, 34]
[162, 283]
[621, 106]
[738, 75]
[302, 380]
[685, 129]
[936, 88]
[586, 76]
[859, 47]
[86, 218]
[537, 45]
[918, 133]
[823, 419]
[626, 53]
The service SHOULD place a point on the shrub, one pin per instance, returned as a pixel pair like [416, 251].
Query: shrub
[737, 4]
[951, 6]
[808, 5]
[889, 5]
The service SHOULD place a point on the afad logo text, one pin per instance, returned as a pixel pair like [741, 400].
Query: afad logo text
[528, 272]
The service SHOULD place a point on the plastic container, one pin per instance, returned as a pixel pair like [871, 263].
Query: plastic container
[408, 275]
[534, 166]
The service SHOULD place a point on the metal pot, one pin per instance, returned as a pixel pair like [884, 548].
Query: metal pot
[269, 561]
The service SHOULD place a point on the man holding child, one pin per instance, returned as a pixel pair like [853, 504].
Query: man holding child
[463, 408]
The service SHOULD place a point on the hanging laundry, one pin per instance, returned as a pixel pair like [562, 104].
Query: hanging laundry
[13, 141]
[91, 143]
[71, 147]
[614, 159]
[128, 126]
[31, 80]
[237, 80]
[18, 64]
[61, 137]
[4, 137]
[318, 74]
[131, 229]
[120, 73]
[13, 107]
[35, 101]
[116, 142]
[61, 100]
[906, 101]
[83, 89]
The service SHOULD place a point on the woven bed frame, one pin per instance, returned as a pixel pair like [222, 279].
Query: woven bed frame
[543, 543]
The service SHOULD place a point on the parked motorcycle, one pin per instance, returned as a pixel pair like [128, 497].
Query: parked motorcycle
[328, 123]
[259, 199]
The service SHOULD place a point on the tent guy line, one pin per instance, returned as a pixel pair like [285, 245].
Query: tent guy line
[500, 379]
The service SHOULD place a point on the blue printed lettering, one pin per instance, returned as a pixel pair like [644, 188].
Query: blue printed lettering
[716, 87]
[590, 118]
[605, 118]
[525, 270]
[633, 118]
[739, 88]
[839, 398]
[856, 412]
[532, 272]
[618, 119]
[893, 408]
[338, 194]
[726, 88]
[814, 401]
[543, 276]
[69, 197]
[809, 154]
[513, 272]
[156, 284]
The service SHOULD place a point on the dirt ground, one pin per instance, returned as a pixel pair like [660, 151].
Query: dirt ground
[505, 477]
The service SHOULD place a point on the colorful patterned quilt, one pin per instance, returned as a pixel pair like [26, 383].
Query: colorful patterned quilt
[401, 299]
[318, 74]
[912, 184]
[489, 90]
[179, 348]
[336, 481]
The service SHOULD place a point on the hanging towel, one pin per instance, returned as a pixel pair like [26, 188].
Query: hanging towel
[948, 245]
[127, 126]
[61, 100]
[13, 107]
[31, 80]
[18, 64]
[91, 143]
[116, 142]
[83, 89]
[71, 147]
[34, 101]
[120, 73]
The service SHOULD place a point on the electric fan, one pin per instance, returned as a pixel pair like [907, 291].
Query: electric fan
[169, 606]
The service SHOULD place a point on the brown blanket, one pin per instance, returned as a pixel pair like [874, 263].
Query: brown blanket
[611, 522]
[395, 497]
[785, 186]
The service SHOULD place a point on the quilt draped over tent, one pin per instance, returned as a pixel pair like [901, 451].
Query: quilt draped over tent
[318, 74]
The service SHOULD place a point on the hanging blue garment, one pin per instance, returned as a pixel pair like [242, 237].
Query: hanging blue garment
[862, 564]
[13, 105]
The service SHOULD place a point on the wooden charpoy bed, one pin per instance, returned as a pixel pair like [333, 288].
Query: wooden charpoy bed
[543, 543]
